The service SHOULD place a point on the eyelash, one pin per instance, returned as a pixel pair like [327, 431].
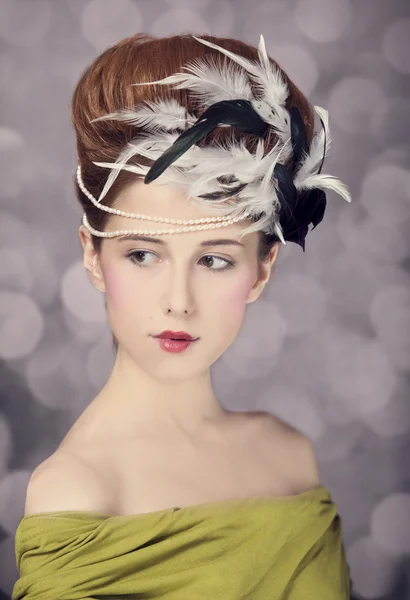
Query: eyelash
[230, 264]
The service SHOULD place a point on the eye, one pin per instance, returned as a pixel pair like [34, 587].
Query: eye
[228, 265]
[135, 254]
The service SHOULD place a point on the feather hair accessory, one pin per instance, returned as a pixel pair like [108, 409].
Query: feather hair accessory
[228, 179]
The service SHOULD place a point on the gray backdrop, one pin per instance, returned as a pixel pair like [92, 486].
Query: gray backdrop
[326, 347]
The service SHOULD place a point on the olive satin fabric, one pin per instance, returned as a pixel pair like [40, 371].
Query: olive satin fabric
[287, 548]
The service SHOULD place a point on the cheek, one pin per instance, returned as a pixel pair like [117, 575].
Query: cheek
[235, 297]
[114, 286]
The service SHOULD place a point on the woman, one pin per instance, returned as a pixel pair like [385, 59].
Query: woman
[157, 490]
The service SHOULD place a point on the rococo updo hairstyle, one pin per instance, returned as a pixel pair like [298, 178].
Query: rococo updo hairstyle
[106, 86]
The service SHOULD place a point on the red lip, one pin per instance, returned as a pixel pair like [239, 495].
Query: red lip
[182, 335]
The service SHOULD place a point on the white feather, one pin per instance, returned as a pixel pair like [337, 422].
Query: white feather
[212, 84]
[326, 181]
[275, 87]
[312, 161]
[266, 75]
[164, 114]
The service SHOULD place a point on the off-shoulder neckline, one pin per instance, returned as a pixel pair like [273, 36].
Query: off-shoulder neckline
[93, 514]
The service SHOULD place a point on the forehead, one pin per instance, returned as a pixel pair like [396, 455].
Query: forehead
[172, 202]
[159, 200]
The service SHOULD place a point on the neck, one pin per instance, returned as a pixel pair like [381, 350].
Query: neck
[133, 398]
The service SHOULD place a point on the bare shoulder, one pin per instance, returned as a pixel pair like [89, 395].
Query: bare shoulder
[63, 482]
[296, 449]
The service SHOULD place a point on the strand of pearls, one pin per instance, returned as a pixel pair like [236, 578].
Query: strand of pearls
[110, 234]
[211, 222]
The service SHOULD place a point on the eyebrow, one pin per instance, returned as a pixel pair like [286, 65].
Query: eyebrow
[143, 238]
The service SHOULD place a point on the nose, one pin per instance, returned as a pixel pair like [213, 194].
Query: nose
[178, 296]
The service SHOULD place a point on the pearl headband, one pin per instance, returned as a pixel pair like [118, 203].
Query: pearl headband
[109, 234]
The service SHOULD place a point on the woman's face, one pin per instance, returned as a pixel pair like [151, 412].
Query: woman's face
[179, 282]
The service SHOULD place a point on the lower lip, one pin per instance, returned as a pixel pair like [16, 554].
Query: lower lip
[174, 345]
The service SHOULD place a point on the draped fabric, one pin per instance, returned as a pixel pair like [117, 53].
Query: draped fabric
[266, 548]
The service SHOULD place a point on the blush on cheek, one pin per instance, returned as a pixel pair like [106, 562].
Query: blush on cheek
[235, 298]
[113, 286]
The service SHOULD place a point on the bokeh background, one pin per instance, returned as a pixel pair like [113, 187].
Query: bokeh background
[326, 347]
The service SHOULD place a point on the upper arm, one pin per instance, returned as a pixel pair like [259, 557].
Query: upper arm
[306, 465]
[64, 483]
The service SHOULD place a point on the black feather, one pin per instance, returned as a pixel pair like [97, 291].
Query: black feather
[299, 139]
[310, 208]
[287, 188]
[237, 113]
[219, 195]
[324, 147]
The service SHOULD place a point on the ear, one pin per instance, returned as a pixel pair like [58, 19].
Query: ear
[264, 274]
[91, 259]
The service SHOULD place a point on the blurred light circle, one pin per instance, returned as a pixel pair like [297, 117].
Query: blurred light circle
[14, 270]
[353, 102]
[12, 494]
[79, 295]
[199, 4]
[40, 258]
[45, 362]
[13, 167]
[302, 303]
[57, 375]
[175, 20]
[81, 330]
[11, 229]
[394, 418]
[390, 316]
[322, 20]
[100, 361]
[103, 22]
[299, 64]
[25, 263]
[222, 18]
[43, 79]
[391, 122]
[69, 196]
[7, 69]
[56, 362]
[6, 442]
[360, 372]
[49, 383]
[355, 280]
[397, 154]
[362, 237]
[338, 413]
[296, 407]
[267, 8]
[370, 61]
[373, 572]
[396, 46]
[384, 194]
[390, 524]
[308, 377]
[21, 325]
[73, 363]
[24, 23]
[10, 483]
[339, 441]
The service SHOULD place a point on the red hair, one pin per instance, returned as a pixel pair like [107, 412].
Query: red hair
[106, 86]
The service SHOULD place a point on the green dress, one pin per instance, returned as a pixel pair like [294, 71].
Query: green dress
[259, 548]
